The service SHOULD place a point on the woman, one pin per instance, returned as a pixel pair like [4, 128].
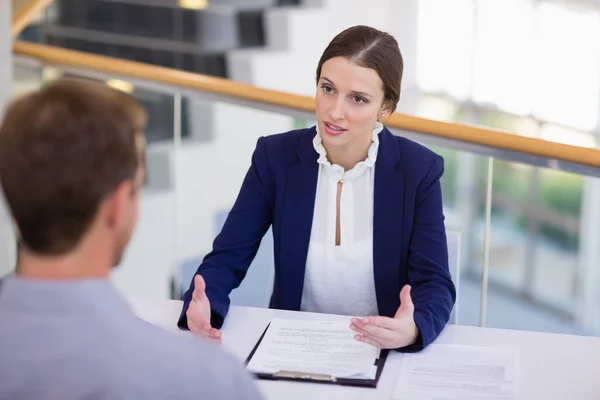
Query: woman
[357, 215]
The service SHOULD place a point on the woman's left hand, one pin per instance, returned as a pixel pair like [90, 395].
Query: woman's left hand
[389, 333]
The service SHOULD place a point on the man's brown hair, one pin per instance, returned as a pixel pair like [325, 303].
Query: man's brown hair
[63, 149]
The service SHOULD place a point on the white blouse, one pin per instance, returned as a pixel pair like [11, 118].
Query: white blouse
[339, 279]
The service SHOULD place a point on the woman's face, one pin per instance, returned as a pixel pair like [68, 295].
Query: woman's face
[349, 100]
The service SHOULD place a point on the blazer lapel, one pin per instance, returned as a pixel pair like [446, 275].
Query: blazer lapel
[388, 219]
[298, 210]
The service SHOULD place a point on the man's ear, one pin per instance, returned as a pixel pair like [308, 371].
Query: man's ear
[114, 204]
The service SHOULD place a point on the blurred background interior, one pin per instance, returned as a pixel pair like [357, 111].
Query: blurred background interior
[525, 67]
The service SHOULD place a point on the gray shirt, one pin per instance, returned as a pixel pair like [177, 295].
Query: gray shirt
[80, 340]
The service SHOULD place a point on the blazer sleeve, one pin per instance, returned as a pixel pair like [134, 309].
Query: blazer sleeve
[224, 268]
[432, 290]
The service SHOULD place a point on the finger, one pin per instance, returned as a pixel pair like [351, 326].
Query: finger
[406, 304]
[382, 322]
[370, 341]
[382, 335]
[199, 288]
[216, 340]
[210, 333]
[215, 333]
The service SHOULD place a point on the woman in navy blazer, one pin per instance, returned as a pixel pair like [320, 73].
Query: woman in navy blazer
[359, 78]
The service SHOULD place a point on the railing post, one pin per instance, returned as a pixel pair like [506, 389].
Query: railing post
[177, 114]
[486, 243]
[7, 236]
[586, 276]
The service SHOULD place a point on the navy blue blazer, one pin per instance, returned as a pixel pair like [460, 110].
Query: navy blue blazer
[409, 236]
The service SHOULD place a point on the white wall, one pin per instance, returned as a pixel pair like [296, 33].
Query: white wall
[297, 37]
[146, 268]
[403, 26]
[210, 175]
[7, 241]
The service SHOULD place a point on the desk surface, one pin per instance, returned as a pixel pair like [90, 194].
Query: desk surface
[551, 366]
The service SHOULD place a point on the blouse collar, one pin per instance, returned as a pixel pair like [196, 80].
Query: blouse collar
[369, 162]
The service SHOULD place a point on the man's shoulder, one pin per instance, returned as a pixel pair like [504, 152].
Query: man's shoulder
[192, 364]
[178, 343]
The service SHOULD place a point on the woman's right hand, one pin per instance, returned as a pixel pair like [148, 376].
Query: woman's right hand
[198, 312]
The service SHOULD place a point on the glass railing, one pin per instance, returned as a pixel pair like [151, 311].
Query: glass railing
[525, 208]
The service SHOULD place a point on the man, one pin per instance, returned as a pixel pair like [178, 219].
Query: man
[72, 167]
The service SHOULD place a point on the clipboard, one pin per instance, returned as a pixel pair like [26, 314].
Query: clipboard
[319, 378]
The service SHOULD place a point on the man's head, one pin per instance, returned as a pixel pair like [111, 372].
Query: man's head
[72, 165]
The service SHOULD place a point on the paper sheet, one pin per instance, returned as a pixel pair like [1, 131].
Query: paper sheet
[321, 347]
[449, 372]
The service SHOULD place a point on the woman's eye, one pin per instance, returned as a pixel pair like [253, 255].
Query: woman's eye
[327, 89]
[359, 100]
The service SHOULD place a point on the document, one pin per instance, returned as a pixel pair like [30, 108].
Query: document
[314, 347]
[449, 372]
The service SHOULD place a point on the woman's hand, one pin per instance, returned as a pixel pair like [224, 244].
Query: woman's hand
[198, 312]
[389, 333]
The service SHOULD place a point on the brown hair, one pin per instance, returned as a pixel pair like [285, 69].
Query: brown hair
[370, 48]
[63, 148]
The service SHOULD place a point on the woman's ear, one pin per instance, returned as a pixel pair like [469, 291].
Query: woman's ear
[386, 110]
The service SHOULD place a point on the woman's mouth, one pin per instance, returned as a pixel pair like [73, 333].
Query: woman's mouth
[333, 129]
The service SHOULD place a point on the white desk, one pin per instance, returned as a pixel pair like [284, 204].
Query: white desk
[551, 366]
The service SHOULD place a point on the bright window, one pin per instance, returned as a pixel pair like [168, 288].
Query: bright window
[502, 57]
[566, 77]
[444, 41]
